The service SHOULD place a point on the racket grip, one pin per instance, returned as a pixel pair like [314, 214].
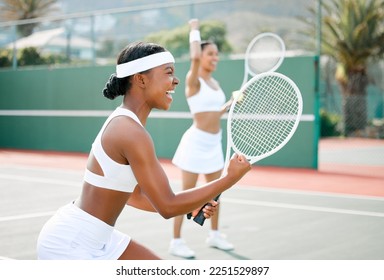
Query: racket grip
[199, 218]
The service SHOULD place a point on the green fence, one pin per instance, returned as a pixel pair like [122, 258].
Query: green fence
[62, 109]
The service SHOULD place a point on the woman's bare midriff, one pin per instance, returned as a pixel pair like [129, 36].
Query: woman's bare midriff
[104, 204]
[208, 121]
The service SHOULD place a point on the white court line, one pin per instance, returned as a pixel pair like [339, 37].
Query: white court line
[5, 258]
[60, 170]
[236, 201]
[40, 180]
[310, 193]
[26, 216]
[178, 182]
[230, 200]
[303, 207]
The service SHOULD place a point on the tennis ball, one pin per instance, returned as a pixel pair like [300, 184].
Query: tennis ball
[237, 93]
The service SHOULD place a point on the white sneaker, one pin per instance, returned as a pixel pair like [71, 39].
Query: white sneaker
[179, 248]
[217, 240]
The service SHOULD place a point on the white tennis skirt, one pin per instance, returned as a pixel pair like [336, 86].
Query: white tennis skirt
[199, 152]
[73, 234]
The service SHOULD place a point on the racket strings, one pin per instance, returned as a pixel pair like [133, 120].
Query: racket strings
[264, 54]
[270, 115]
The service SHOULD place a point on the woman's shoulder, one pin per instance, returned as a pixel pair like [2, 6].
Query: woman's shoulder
[192, 85]
[126, 126]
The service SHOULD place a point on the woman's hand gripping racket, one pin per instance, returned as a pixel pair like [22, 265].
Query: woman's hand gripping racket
[262, 119]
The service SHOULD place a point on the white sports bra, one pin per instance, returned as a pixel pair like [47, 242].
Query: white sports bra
[207, 99]
[117, 176]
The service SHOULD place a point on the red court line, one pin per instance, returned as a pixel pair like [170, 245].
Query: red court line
[262, 176]
[319, 181]
[333, 143]
[349, 145]
[353, 170]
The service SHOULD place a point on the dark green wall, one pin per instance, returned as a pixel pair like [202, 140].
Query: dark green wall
[78, 89]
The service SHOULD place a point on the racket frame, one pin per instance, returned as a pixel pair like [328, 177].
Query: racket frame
[230, 145]
[199, 218]
[247, 69]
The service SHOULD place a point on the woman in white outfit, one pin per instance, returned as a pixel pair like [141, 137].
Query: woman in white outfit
[123, 168]
[200, 149]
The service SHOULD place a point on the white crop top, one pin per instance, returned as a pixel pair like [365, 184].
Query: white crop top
[117, 176]
[207, 99]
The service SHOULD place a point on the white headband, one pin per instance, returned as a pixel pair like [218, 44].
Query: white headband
[144, 63]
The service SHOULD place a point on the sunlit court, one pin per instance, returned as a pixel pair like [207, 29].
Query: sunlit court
[272, 213]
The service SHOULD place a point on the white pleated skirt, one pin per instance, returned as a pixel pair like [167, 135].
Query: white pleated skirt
[199, 152]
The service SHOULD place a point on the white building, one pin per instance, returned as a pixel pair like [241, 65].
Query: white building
[57, 41]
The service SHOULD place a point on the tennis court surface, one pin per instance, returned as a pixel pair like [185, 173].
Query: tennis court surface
[272, 214]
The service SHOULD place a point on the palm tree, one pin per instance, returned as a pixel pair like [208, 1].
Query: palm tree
[26, 9]
[352, 35]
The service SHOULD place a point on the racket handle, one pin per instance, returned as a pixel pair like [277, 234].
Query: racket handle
[199, 218]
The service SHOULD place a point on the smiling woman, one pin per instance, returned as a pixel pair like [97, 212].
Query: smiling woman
[123, 168]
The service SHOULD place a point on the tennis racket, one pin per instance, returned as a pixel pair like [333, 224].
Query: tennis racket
[262, 119]
[264, 53]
